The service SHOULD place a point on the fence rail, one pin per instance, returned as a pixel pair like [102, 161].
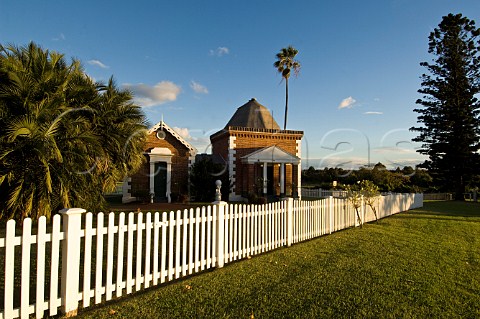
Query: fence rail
[88, 259]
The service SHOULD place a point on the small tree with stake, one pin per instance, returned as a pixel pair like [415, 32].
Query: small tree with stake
[371, 195]
[363, 192]
[354, 196]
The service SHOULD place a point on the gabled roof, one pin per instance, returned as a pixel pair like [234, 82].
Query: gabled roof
[253, 115]
[162, 125]
[270, 154]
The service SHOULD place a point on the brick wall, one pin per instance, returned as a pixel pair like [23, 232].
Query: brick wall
[246, 143]
[180, 161]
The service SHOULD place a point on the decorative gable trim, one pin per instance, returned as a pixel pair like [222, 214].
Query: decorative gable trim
[163, 125]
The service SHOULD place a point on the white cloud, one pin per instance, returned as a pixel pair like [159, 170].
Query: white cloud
[220, 51]
[393, 149]
[97, 63]
[183, 132]
[61, 37]
[198, 138]
[198, 88]
[162, 92]
[347, 103]
[373, 113]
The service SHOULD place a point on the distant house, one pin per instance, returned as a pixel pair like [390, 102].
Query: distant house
[261, 157]
[166, 170]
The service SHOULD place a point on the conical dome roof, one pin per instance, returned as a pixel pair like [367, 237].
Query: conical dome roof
[253, 115]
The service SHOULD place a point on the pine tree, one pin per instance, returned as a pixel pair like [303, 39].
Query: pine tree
[450, 134]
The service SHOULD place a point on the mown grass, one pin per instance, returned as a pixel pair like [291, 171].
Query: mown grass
[423, 263]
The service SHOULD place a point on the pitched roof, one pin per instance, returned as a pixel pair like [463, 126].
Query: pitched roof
[270, 154]
[254, 115]
[163, 126]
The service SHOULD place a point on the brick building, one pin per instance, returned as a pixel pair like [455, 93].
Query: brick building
[261, 157]
[166, 169]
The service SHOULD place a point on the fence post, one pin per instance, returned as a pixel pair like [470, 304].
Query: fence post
[220, 244]
[220, 226]
[289, 213]
[72, 224]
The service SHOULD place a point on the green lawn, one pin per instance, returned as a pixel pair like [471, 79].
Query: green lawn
[424, 263]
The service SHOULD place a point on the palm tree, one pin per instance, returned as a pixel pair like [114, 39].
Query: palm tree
[121, 127]
[64, 139]
[285, 64]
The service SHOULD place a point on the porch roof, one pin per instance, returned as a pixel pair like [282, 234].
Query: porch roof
[270, 154]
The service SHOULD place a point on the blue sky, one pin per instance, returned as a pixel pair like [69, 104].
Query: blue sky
[195, 62]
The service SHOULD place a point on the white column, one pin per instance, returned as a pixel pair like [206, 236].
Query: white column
[264, 178]
[169, 181]
[232, 166]
[299, 169]
[299, 180]
[151, 176]
[282, 179]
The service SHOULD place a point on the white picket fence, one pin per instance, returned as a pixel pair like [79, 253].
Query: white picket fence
[75, 264]
[321, 193]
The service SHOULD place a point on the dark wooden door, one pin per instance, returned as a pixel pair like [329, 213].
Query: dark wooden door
[270, 184]
[160, 181]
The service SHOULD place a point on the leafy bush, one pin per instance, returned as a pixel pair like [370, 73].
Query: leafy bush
[203, 176]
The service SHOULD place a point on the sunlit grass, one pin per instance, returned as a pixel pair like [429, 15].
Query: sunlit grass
[424, 263]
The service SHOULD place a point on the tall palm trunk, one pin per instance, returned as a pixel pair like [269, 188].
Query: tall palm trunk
[286, 104]
[285, 64]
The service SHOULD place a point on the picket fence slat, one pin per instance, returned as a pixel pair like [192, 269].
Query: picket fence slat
[57, 236]
[209, 221]
[184, 242]
[156, 231]
[197, 218]
[177, 251]
[120, 248]
[88, 233]
[138, 263]
[191, 223]
[148, 234]
[99, 259]
[202, 221]
[171, 224]
[9, 269]
[129, 279]
[41, 245]
[163, 255]
[25, 274]
[109, 288]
